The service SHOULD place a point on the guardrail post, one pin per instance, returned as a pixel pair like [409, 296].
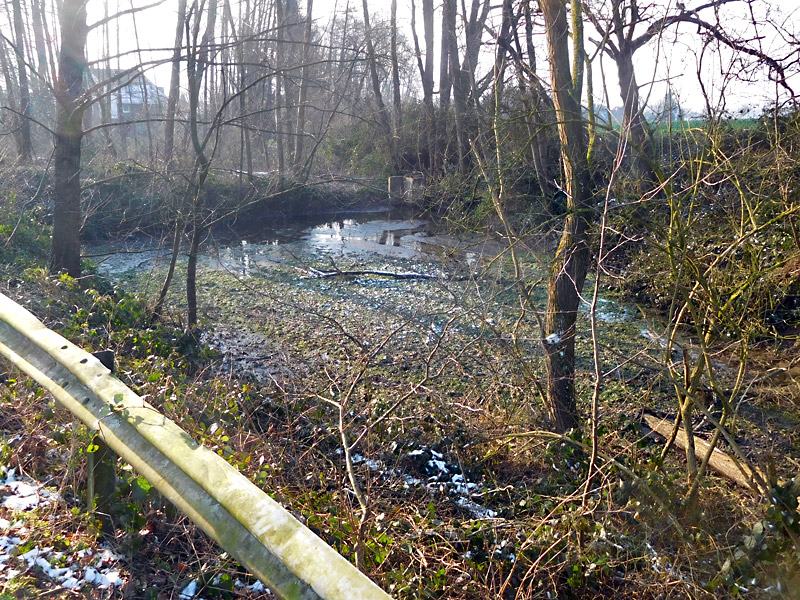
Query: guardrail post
[101, 482]
[101, 472]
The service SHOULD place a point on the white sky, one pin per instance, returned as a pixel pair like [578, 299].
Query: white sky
[675, 60]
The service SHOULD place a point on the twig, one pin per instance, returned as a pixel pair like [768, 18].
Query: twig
[642, 484]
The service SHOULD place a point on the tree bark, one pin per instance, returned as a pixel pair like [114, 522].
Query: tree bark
[177, 236]
[462, 73]
[459, 98]
[445, 81]
[10, 96]
[289, 38]
[538, 106]
[571, 262]
[66, 247]
[280, 91]
[238, 40]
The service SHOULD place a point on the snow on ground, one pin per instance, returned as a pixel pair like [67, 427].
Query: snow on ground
[70, 569]
[190, 591]
[77, 570]
[442, 477]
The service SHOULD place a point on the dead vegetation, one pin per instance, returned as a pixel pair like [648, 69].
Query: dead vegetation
[460, 496]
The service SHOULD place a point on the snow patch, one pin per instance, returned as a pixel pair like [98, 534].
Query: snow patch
[67, 569]
[190, 591]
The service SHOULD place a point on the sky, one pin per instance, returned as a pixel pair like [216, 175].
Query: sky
[675, 61]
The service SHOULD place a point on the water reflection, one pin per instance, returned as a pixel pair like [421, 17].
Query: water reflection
[354, 238]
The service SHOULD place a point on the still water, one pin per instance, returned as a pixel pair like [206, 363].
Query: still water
[324, 240]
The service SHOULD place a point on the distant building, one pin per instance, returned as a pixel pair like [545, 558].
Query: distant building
[124, 96]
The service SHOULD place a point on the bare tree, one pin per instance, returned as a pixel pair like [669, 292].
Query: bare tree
[571, 261]
[462, 71]
[245, 145]
[198, 61]
[39, 39]
[617, 23]
[70, 106]
[445, 77]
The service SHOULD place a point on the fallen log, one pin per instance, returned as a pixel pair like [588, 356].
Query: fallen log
[720, 462]
[317, 274]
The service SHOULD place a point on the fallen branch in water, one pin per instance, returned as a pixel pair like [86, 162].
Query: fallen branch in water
[317, 274]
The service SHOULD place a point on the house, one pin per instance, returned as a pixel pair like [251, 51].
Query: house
[124, 95]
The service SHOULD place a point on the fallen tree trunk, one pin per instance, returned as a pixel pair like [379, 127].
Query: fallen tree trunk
[721, 462]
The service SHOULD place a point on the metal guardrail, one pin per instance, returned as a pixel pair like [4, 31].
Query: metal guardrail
[263, 536]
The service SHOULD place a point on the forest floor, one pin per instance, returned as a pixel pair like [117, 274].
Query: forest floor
[438, 380]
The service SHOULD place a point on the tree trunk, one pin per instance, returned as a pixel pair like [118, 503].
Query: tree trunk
[445, 81]
[537, 103]
[426, 76]
[289, 40]
[49, 40]
[25, 150]
[383, 117]
[10, 96]
[177, 236]
[66, 249]
[191, 271]
[197, 66]
[38, 37]
[105, 99]
[300, 133]
[465, 92]
[571, 262]
[427, 19]
[280, 92]
[279, 145]
[633, 120]
[538, 106]
[397, 114]
[238, 40]
[459, 92]
[174, 84]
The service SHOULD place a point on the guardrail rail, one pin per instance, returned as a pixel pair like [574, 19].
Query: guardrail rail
[257, 531]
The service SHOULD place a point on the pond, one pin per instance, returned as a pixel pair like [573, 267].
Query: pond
[365, 272]
[352, 237]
